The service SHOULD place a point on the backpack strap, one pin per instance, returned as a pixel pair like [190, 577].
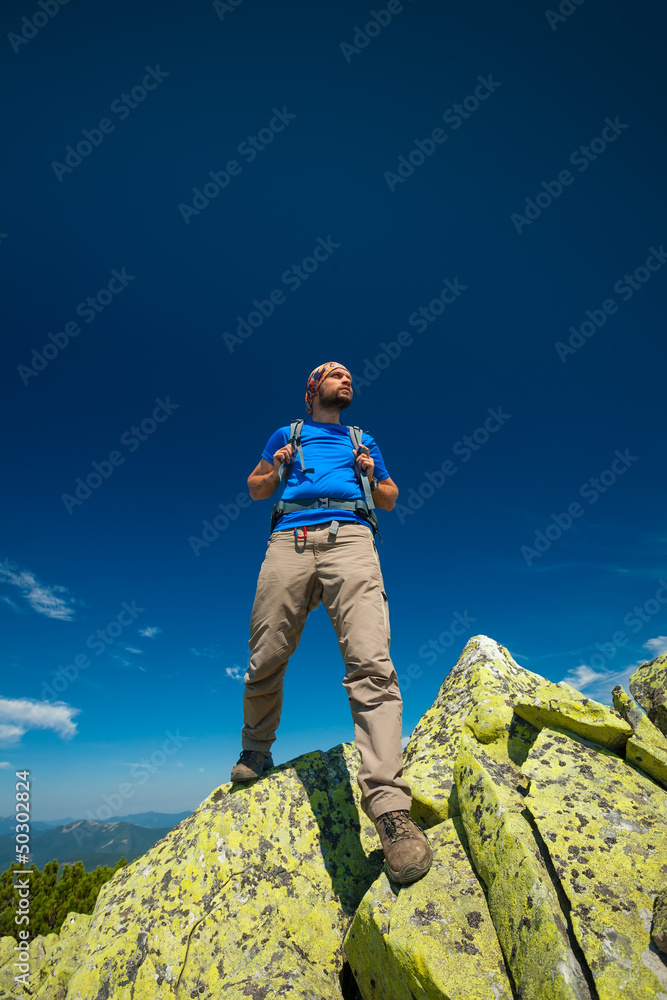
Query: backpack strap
[294, 439]
[356, 436]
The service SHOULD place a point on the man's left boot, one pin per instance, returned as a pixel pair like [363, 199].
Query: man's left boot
[407, 852]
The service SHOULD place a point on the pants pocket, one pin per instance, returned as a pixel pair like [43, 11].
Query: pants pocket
[387, 627]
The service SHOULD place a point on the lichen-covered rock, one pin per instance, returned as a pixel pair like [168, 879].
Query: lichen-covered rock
[523, 902]
[585, 718]
[254, 891]
[648, 685]
[434, 938]
[647, 747]
[480, 690]
[605, 827]
[31, 965]
[659, 926]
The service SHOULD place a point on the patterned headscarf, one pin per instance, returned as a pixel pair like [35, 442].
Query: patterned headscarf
[315, 379]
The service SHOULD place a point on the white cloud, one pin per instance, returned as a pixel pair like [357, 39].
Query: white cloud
[41, 598]
[18, 715]
[657, 646]
[5, 763]
[598, 684]
[150, 632]
[234, 672]
[130, 649]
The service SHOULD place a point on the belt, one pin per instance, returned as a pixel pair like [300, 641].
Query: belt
[360, 507]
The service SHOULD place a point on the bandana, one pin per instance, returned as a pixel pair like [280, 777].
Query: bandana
[315, 379]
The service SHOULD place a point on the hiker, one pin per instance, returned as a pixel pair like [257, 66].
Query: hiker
[322, 549]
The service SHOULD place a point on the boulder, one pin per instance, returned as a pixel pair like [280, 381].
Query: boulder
[605, 828]
[431, 939]
[250, 896]
[480, 690]
[585, 718]
[648, 685]
[647, 747]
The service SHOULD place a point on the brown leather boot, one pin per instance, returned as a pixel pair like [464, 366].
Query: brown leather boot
[407, 853]
[251, 764]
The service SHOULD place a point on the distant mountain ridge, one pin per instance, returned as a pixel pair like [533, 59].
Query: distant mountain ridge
[89, 841]
[151, 820]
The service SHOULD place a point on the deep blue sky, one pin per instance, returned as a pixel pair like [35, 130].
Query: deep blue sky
[340, 122]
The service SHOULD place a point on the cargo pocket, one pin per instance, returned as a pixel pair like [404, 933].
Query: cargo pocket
[387, 627]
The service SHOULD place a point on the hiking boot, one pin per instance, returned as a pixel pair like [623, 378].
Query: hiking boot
[407, 852]
[250, 765]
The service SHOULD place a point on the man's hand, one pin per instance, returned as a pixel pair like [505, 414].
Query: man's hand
[285, 454]
[364, 462]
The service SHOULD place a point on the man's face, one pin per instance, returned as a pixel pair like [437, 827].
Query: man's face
[336, 390]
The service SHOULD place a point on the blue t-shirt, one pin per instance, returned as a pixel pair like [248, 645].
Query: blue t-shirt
[328, 450]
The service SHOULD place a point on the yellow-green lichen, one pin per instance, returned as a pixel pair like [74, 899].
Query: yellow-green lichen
[434, 938]
[605, 827]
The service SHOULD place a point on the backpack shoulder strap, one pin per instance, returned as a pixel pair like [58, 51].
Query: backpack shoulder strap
[356, 434]
[294, 439]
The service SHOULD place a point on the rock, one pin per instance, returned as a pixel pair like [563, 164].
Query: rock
[523, 901]
[480, 690]
[647, 748]
[659, 927]
[431, 939]
[52, 960]
[648, 685]
[254, 891]
[605, 827]
[254, 895]
[585, 718]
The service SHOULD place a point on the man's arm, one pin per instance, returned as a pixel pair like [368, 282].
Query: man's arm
[385, 495]
[263, 480]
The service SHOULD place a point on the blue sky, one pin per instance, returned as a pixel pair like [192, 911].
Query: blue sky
[465, 205]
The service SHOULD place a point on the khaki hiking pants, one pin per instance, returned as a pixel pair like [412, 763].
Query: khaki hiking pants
[344, 574]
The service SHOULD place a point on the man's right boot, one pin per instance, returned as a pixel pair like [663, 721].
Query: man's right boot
[251, 764]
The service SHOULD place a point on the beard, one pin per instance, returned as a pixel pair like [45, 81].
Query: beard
[334, 398]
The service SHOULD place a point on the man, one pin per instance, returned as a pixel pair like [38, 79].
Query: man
[327, 554]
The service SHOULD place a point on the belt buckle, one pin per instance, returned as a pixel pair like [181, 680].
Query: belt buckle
[323, 501]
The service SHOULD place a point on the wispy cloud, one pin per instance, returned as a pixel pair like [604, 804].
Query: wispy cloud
[18, 715]
[150, 632]
[657, 646]
[15, 608]
[5, 763]
[53, 601]
[212, 652]
[130, 649]
[234, 672]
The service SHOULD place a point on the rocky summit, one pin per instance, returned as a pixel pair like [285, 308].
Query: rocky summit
[547, 816]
